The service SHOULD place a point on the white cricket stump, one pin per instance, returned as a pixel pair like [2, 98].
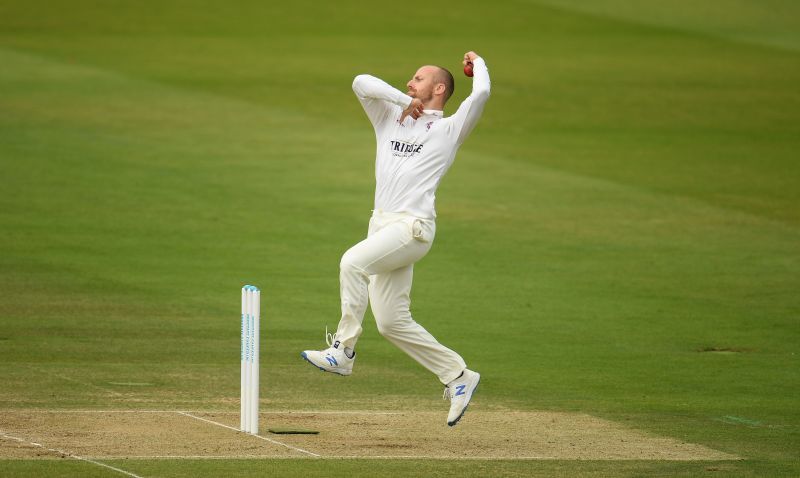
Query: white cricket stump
[251, 318]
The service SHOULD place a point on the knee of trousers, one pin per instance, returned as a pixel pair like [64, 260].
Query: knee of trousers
[349, 265]
[392, 325]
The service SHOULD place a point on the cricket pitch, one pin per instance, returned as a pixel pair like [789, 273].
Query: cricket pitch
[530, 435]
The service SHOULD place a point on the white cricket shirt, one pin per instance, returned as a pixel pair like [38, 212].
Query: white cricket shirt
[413, 156]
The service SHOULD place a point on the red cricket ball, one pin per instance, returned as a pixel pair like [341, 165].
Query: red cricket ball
[468, 69]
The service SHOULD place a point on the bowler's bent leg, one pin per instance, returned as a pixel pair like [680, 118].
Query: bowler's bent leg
[390, 296]
[391, 247]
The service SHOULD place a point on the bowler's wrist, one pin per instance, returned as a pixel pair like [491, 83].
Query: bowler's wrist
[405, 100]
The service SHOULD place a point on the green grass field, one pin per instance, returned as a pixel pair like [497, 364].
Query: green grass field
[619, 237]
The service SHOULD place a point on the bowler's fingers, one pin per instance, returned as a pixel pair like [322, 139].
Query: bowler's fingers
[469, 57]
[414, 110]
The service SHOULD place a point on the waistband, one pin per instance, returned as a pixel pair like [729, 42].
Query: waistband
[397, 215]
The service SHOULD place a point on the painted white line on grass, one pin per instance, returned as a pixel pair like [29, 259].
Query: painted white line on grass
[334, 412]
[387, 457]
[202, 457]
[230, 412]
[437, 457]
[68, 454]
[39, 410]
[332, 457]
[306, 452]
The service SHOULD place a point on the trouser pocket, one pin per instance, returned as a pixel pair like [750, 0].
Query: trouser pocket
[422, 230]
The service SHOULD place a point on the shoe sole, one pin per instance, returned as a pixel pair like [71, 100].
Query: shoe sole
[303, 354]
[474, 389]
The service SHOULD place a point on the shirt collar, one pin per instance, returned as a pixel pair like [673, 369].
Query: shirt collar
[433, 112]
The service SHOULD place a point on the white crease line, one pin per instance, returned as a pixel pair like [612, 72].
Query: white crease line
[394, 457]
[331, 457]
[71, 455]
[334, 412]
[36, 410]
[256, 436]
[512, 458]
[203, 457]
[278, 412]
[327, 457]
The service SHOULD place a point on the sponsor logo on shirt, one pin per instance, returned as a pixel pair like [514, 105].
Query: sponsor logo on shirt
[405, 150]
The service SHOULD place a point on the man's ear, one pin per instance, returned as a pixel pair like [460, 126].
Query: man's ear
[439, 89]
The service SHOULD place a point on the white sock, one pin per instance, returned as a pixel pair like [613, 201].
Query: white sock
[349, 353]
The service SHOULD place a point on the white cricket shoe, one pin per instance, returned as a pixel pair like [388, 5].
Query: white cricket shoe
[460, 391]
[333, 359]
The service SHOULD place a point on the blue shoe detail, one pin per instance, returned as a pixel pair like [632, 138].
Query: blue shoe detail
[303, 354]
[460, 389]
[465, 408]
[332, 361]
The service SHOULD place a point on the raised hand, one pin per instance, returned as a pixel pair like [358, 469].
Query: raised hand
[469, 57]
[414, 110]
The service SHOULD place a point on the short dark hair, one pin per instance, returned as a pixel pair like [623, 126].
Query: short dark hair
[444, 76]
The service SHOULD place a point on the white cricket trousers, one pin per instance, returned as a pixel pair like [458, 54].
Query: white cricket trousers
[379, 271]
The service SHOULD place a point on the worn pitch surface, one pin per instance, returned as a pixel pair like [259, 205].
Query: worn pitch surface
[359, 434]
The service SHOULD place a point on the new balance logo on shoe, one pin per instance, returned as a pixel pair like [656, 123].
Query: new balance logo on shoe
[459, 401]
[334, 359]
